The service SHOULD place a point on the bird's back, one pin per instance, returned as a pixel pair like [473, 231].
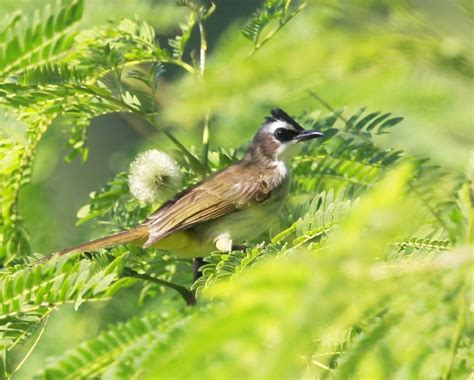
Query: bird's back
[231, 199]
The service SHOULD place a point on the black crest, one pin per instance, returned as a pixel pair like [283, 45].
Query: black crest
[279, 114]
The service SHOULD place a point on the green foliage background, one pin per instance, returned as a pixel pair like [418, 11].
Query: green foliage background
[369, 272]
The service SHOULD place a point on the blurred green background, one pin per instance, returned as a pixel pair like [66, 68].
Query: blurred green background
[413, 58]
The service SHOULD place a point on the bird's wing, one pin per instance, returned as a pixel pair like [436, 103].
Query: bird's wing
[232, 189]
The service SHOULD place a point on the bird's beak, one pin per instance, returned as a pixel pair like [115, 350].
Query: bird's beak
[308, 135]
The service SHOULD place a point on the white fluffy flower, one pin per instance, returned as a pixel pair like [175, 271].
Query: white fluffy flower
[153, 175]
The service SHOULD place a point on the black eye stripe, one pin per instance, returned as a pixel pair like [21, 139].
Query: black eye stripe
[283, 134]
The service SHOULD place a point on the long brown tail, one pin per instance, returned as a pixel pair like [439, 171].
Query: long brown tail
[105, 242]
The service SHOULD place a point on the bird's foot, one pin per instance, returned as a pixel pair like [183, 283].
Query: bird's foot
[198, 262]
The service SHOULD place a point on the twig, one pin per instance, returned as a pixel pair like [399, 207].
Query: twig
[185, 66]
[282, 23]
[22, 335]
[205, 142]
[328, 106]
[338, 114]
[202, 68]
[187, 295]
[321, 365]
[33, 346]
[202, 49]
[150, 118]
[197, 165]
[457, 338]
[428, 205]
[139, 127]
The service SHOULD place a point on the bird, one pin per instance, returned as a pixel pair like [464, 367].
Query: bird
[227, 208]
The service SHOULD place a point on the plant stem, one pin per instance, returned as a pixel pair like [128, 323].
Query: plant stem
[202, 49]
[339, 115]
[185, 66]
[186, 294]
[193, 160]
[205, 142]
[202, 68]
[328, 106]
[461, 325]
[428, 205]
[33, 346]
[195, 163]
[282, 23]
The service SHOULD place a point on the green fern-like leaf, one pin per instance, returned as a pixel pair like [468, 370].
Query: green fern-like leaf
[348, 158]
[285, 305]
[114, 204]
[51, 73]
[16, 329]
[38, 107]
[220, 266]
[17, 173]
[323, 213]
[116, 353]
[374, 122]
[41, 42]
[278, 12]
[7, 27]
[178, 44]
[272, 10]
[311, 219]
[28, 293]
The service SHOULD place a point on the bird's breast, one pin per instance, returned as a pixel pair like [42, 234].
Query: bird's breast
[247, 222]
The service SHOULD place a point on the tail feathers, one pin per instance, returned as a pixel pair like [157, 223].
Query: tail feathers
[105, 242]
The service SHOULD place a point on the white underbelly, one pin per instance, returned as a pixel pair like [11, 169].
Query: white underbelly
[246, 224]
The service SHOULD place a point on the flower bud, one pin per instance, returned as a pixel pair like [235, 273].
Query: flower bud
[153, 176]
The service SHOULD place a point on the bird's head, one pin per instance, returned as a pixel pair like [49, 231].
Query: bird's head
[280, 136]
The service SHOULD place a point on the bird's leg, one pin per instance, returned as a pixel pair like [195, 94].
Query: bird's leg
[224, 244]
[198, 262]
[187, 295]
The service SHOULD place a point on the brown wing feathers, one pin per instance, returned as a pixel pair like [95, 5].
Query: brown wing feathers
[219, 195]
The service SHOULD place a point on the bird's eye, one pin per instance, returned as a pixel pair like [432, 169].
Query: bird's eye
[283, 134]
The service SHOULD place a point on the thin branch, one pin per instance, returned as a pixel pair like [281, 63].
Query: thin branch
[195, 163]
[185, 66]
[51, 305]
[428, 205]
[205, 142]
[321, 365]
[461, 325]
[328, 106]
[22, 335]
[339, 115]
[282, 23]
[202, 68]
[141, 128]
[151, 119]
[33, 346]
[187, 295]
[202, 49]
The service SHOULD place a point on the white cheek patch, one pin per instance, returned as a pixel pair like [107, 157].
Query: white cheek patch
[286, 150]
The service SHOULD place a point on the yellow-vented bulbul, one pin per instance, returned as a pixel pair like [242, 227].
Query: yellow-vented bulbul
[232, 205]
